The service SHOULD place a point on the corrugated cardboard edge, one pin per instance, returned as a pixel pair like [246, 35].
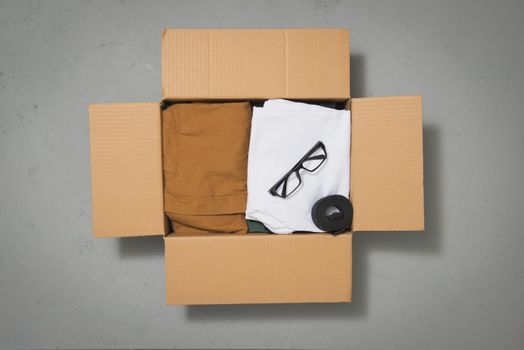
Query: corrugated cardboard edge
[258, 269]
[126, 169]
[168, 40]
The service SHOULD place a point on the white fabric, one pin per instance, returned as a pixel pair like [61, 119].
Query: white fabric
[281, 133]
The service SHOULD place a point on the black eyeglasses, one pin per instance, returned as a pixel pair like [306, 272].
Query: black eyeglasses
[291, 181]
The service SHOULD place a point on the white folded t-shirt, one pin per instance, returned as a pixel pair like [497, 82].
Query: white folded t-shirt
[282, 132]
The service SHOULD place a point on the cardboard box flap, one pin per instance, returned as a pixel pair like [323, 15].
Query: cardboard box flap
[387, 188]
[255, 64]
[257, 268]
[126, 169]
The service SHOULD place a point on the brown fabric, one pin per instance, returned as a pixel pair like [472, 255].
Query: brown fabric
[205, 148]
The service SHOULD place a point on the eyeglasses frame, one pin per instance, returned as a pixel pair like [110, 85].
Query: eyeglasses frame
[296, 169]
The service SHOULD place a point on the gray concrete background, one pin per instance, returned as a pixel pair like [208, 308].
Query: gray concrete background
[459, 285]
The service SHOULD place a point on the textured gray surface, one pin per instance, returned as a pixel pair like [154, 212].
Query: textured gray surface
[459, 285]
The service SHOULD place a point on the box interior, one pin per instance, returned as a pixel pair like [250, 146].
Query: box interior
[331, 103]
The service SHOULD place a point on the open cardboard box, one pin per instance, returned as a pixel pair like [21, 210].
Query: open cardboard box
[232, 64]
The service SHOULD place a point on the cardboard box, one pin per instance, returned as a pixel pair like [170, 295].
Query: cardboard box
[233, 64]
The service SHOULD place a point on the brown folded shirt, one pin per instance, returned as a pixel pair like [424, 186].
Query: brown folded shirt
[205, 149]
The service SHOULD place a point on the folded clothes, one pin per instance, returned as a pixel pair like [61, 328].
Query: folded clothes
[282, 132]
[205, 148]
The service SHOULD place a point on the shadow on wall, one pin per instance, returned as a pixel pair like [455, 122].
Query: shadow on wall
[357, 76]
[140, 246]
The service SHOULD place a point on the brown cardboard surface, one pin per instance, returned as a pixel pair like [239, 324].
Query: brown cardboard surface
[255, 64]
[257, 268]
[126, 169]
[387, 188]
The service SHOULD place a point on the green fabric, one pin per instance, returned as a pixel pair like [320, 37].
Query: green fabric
[256, 226]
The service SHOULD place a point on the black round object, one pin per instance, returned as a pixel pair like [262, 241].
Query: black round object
[332, 213]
